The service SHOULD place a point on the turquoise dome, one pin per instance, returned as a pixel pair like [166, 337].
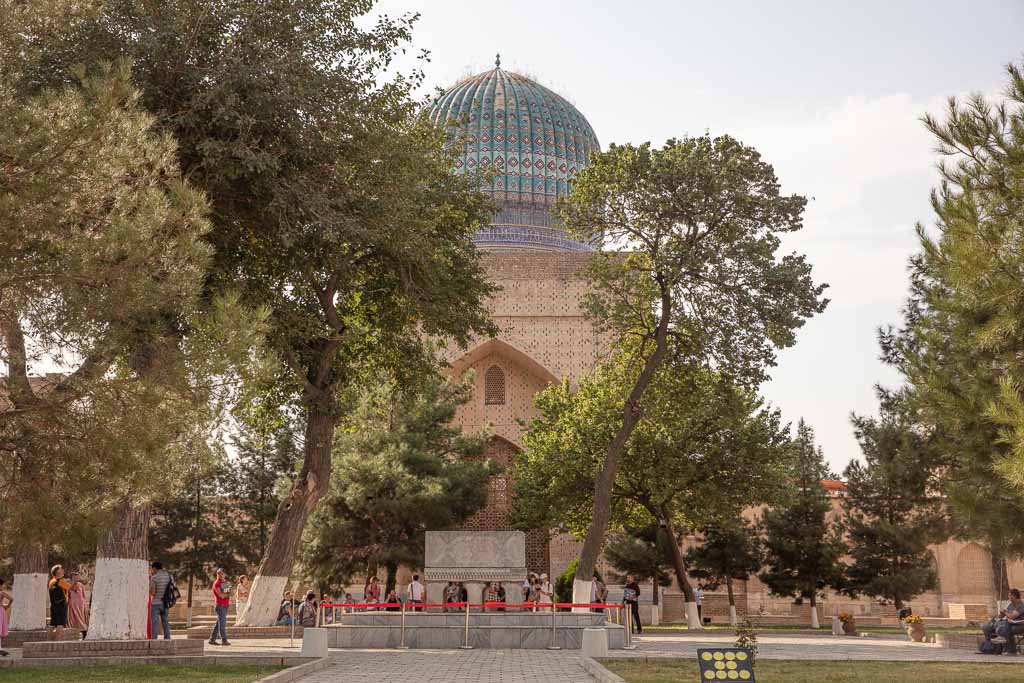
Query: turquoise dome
[532, 139]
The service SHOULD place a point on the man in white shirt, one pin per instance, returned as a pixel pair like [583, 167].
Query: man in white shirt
[698, 597]
[416, 591]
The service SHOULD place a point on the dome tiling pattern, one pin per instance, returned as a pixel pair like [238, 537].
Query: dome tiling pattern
[531, 139]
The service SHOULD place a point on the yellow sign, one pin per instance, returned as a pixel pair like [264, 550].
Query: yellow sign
[725, 664]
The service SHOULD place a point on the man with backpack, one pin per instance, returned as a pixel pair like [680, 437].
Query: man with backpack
[163, 594]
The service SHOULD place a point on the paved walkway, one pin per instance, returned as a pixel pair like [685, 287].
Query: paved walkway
[455, 666]
[824, 647]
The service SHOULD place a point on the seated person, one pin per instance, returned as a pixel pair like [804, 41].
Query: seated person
[1009, 622]
[284, 613]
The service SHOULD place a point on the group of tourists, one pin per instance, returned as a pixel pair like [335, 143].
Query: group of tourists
[69, 607]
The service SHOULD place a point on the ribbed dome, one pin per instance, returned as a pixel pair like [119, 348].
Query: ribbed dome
[535, 141]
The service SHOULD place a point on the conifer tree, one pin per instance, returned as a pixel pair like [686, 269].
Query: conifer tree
[728, 552]
[802, 546]
[642, 552]
[892, 508]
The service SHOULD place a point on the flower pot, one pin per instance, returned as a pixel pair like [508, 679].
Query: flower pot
[916, 632]
[850, 627]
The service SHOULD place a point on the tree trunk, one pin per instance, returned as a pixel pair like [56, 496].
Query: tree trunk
[286, 534]
[28, 613]
[732, 601]
[594, 540]
[814, 610]
[1000, 578]
[676, 556]
[392, 579]
[121, 587]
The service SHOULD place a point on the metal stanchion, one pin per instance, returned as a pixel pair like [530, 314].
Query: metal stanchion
[291, 635]
[401, 643]
[628, 633]
[553, 644]
[465, 635]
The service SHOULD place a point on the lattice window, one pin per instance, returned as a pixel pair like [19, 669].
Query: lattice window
[494, 386]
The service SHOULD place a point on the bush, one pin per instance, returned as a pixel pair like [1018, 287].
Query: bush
[563, 584]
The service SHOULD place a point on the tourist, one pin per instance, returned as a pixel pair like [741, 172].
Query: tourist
[533, 595]
[393, 599]
[242, 593]
[544, 588]
[528, 586]
[308, 611]
[327, 612]
[451, 594]
[285, 612]
[598, 593]
[371, 593]
[58, 588]
[78, 605]
[698, 597]
[222, 598]
[631, 598]
[5, 604]
[348, 601]
[490, 592]
[416, 592]
[1009, 622]
[159, 579]
[501, 596]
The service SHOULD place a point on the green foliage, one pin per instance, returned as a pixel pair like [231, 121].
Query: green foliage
[401, 469]
[746, 638]
[802, 548]
[728, 551]
[959, 346]
[563, 584]
[640, 551]
[703, 446]
[892, 510]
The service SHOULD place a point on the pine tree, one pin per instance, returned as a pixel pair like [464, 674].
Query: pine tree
[892, 509]
[728, 552]
[802, 548]
[642, 552]
[401, 468]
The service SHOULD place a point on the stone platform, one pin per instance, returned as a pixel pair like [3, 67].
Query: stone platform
[504, 630]
[19, 638]
[243, 632]
[112, 648]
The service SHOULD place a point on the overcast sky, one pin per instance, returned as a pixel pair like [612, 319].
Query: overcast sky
[829, 92]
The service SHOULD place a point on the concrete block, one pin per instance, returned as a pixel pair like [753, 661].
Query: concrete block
[314, 642]
[595, 643]
[506, 638]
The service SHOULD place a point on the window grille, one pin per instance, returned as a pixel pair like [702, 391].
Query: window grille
[494, 386]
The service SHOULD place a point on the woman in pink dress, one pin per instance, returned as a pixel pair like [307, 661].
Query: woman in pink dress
[78, 605]
[5, 604]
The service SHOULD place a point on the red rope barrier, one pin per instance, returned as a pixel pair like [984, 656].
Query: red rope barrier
[472, 605]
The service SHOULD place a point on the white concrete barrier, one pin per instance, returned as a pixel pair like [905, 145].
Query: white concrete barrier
[314, 642]
[595, 642]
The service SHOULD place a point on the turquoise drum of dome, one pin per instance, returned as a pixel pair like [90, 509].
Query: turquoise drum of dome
[531, 141]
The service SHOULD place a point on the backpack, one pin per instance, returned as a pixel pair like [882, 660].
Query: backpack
[171, 593]
[988, 647]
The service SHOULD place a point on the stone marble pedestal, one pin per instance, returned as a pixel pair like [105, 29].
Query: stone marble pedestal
[475, 558]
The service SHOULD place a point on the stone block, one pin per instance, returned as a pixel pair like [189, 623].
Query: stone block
[506, 638]
[314, 642]
[595, 643]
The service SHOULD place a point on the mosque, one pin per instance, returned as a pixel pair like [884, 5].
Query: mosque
[533, 142]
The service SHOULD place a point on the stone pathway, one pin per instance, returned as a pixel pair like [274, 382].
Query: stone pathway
[824, 647]
[455, 666]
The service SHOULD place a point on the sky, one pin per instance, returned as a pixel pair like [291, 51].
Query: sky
[830, 93]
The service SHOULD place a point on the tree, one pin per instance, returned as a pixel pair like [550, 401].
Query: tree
[333, 203]
[641, 552]
[704, 448]
[958, 347]
[729, 552]
[694, 274]
[100, 243]
[802, 547]
[892, 509]
[401, 469]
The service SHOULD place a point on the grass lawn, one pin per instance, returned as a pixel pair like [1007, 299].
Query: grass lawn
[887, 630]
[144, 673]
[768, 671]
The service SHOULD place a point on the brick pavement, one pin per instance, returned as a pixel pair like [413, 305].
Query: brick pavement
[453, 666]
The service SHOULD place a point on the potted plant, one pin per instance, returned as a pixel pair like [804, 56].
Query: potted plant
[915, 627]
[849, 625]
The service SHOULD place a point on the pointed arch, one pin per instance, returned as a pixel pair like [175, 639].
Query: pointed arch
[502, 348]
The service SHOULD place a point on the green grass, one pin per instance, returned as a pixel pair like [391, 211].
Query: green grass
[887, 630]
[143, 673]
[767, 671]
